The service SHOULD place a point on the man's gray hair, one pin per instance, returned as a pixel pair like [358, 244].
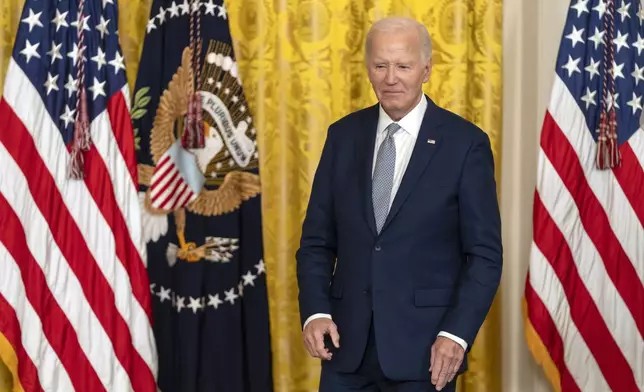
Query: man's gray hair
[394, 23]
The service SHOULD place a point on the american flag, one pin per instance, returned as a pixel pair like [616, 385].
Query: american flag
[585, 286]
[74, 294]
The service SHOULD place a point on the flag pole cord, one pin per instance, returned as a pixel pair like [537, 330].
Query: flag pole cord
[193, 132]
[608, 155]
[82, 140]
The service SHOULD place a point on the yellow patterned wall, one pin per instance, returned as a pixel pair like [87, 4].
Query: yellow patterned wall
[302, 68]
[302, 62]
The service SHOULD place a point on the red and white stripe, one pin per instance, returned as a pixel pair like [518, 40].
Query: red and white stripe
[23, 329]
[169, 189]
[75, 250]
[585, 290]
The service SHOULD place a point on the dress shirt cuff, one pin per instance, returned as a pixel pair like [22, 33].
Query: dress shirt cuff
[316, 316]
[458, 340]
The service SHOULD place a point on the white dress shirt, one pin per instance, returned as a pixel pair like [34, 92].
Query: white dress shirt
[404, 139]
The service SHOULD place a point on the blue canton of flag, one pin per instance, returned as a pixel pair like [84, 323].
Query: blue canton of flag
[581, 62]
[57, 47]
[202, 205]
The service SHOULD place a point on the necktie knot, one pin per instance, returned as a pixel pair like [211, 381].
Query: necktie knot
[392, 129]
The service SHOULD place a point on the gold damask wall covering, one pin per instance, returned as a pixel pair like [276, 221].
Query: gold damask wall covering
[302, 67]
[302, 62]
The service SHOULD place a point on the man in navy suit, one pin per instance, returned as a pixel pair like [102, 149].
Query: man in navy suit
[401, 253]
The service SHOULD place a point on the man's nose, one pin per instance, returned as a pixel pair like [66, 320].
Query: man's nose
[390, 78]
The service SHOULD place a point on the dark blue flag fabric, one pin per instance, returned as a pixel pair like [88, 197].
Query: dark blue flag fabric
[200, 189]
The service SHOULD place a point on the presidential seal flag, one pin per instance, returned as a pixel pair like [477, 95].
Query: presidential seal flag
[200, 196]
[75, 304]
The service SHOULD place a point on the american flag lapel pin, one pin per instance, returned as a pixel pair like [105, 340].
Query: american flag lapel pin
[431, 141]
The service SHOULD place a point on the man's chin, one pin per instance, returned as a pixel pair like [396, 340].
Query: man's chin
[393, 98]
[391, 106]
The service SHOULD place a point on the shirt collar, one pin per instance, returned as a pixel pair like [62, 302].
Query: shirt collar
[410, 123]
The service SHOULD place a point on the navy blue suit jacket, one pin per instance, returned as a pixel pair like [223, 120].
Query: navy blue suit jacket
[436, 264]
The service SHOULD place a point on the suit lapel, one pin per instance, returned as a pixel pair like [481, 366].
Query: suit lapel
[427, 143]
[366, 145]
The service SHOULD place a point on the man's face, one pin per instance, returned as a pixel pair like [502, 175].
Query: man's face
[397, 70]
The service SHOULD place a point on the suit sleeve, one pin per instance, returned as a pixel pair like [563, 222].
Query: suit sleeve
[317, 252]
[480, 225]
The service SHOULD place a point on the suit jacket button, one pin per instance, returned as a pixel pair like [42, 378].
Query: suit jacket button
[377, 248]
[366, 291]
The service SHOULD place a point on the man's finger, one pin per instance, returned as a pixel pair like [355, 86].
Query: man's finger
[309, 344]
[437, 366]
[319, 345]
[335, 336]
[455, 364]
[454, 369]
[443, 375]
[432, 358]
[312, 342]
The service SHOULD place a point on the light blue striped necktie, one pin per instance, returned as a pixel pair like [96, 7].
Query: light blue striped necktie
[383, 176]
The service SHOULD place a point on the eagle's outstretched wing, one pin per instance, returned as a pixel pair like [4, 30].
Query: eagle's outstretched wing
[238, 186]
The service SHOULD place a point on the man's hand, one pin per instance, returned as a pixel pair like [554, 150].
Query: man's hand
[314, 337]
[447, 357]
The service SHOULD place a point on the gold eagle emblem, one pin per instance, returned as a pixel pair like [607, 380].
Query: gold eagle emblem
[230, 147]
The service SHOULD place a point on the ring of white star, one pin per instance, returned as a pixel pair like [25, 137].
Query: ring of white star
[178, 10]
[209, 300]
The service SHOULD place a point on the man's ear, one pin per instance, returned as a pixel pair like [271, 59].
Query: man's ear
[428, 70]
